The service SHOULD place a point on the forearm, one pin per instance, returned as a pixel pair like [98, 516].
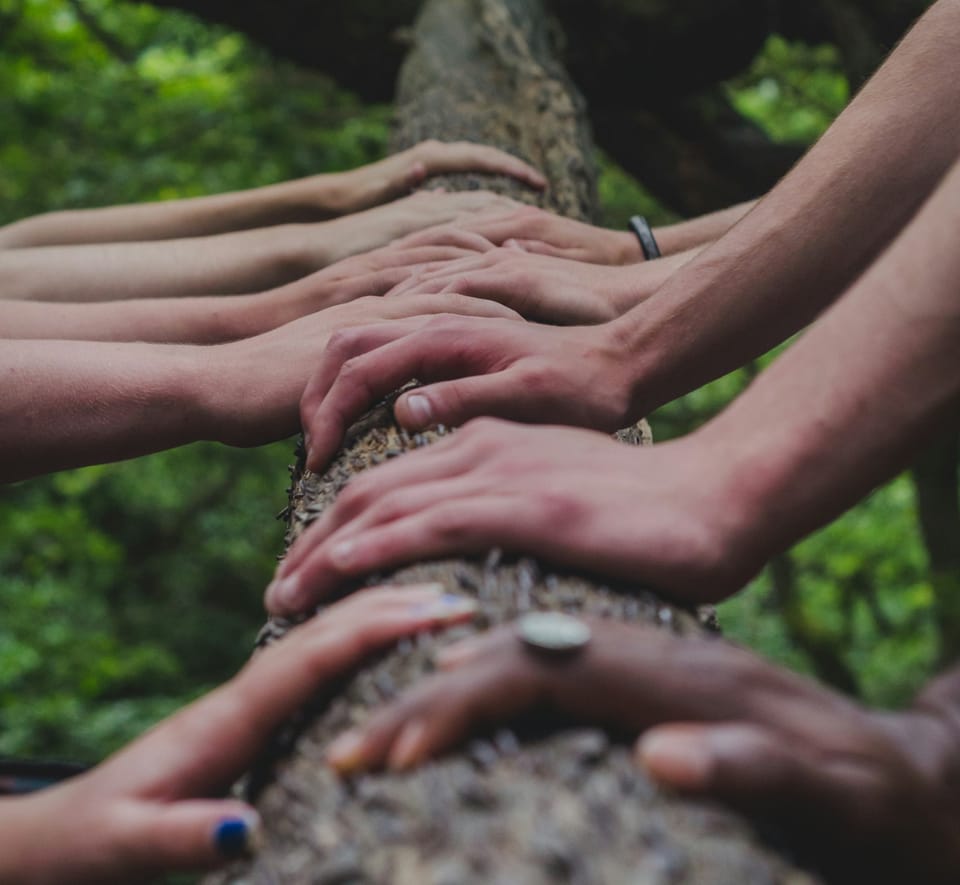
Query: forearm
[849, 403]
[68, 403]
[289, 201]
[816, 231]
[702, 231]
[198, 320]
[242, 262]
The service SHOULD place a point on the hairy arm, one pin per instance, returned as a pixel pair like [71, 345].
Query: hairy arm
[816, 231]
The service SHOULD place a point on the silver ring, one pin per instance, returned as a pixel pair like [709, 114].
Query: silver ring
[553, 633]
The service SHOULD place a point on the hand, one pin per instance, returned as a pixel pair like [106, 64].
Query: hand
[146, 809]
[545, 233]
[549, 290]
[376, 227]
[249, 390]
[581, 375]
[400, 173]
[360, 276]
[877, 789]
[660, 517]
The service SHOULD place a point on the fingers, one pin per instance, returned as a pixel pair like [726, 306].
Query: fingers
[471, 524]
[463, 156]
[446, 235]
[208, 744]
[538, 247]
[442, 711]
[500, 395]
[195, 834]
[757, 768]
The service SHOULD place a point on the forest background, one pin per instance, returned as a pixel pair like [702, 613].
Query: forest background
[128, 589]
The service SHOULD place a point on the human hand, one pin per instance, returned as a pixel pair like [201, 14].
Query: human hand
[398, 174]
[879, 790]
[662, 517]
[247, 392]
[545, 233]
[550, 290]
[376, 227]
[359, 276]
[147, 808]
[580, 375]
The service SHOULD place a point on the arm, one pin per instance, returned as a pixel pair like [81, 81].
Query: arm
[240, 262]
[875, 795]
[773, 273]
[221, 318]
[836, 415]
[304, 200]
[545, 233]
[157, 805]
[70, 403]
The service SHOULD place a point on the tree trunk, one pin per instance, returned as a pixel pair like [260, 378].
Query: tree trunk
[547, 803]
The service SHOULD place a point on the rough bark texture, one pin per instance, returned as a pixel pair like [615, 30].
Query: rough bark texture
[546, 802]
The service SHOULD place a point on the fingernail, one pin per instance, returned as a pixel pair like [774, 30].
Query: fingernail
[406, 751]
[237, 836]
[345, 754]
[453, 655]
[677, 759]
[446, 607]
[284, 591]
[341, 553]
[419, 408]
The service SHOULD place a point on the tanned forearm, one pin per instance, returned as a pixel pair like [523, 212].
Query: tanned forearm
[816, 231]
[848, 404]
[696, 232]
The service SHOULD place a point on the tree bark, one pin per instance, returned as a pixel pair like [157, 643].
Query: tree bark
[548, 802]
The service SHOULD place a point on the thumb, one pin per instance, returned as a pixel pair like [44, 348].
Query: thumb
[192, 834]
[747, 765]
[456, 402]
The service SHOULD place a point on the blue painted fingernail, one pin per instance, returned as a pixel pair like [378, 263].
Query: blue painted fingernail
[236, 836]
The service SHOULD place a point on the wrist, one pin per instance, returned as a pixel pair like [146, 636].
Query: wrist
[625, 247]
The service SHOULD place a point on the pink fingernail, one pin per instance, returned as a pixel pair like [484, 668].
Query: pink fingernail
[419, 408]
[676, 758]
[341, 553]
[346, 752]
[284, 592]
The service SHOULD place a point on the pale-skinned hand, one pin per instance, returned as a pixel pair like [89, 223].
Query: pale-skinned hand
[582, 375]
[657, 517]
[157, 804]
[537, 230]
[398, 174]
[249, 390]
[541, 288]
[877, 790]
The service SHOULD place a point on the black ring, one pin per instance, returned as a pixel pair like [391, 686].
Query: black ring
[648, 244]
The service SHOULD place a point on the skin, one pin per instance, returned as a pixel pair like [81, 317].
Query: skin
[775, 271]
[229, 263]
[534, 230]
[155, 805]
[718, 722]
[809, 438]
[314, 198]
[215, 319]
[70, 403]
[543, 288]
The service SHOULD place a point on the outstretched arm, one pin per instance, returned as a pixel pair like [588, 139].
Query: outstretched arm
[874, 791]
[304, 200]
[839, 413]
[773, 273]
[70, 403]
[230, 263]
[158, 804]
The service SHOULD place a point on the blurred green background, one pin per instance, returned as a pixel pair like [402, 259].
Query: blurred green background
[126, 590]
